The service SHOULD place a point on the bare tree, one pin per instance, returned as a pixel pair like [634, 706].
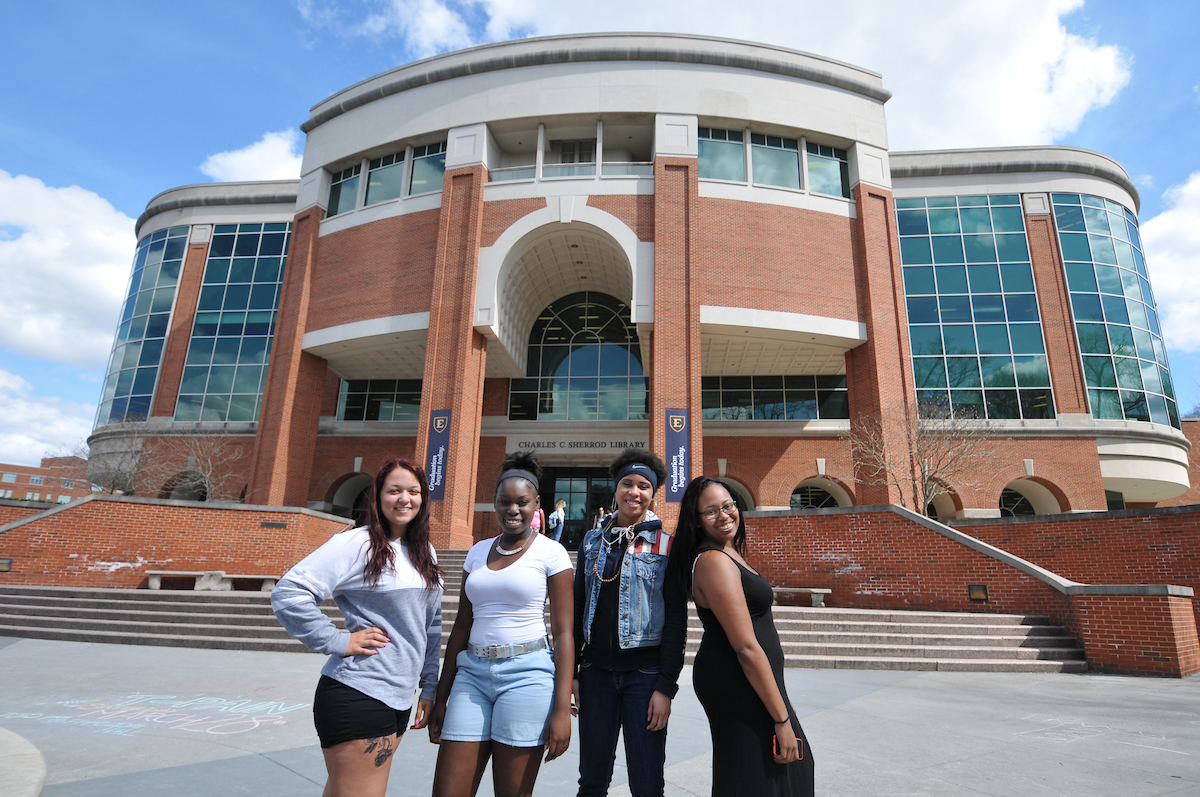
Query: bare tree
[923, 457]
[197, 467]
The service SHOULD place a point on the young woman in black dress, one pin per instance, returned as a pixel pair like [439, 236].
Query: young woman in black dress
[759, 747]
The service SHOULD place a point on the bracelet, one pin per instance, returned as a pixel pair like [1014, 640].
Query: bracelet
[781, 722]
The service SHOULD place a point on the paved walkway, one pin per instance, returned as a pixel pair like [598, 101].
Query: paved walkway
[128, 720]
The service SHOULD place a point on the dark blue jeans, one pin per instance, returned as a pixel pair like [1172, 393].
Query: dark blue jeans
[618, 701]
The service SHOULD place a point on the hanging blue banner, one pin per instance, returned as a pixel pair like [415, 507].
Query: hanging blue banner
[679, 454]
[439, 446]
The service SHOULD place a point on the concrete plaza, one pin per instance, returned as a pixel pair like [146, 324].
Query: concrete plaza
[130, 720]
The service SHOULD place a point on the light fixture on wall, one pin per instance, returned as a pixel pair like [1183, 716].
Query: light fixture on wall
[977, 592]
[5, 565]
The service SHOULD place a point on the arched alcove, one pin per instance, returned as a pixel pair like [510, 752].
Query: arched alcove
[1023, 497]
[819, 493]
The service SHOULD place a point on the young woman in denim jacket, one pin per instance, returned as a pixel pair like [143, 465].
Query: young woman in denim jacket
[630, 626]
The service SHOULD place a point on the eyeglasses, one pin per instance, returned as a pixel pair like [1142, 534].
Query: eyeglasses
[729, 508]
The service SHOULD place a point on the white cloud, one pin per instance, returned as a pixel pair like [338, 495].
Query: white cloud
[963, 74]
[66, 256]
[31, 426]
[275, 156]
[1172, 242]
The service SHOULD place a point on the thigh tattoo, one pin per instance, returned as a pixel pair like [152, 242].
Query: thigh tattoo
[382, 746]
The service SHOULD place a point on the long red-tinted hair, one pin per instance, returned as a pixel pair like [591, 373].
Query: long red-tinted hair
[383, 556]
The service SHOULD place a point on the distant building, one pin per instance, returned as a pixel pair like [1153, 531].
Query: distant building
[56, 480]
[548, 244]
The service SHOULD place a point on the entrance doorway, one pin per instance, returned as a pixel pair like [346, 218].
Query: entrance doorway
[585, 490]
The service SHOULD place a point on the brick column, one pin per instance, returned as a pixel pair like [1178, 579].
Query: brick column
[187, 293]
[291, 407]
[1054, 307]
[879, 372]
[674, 366]
[455, 355]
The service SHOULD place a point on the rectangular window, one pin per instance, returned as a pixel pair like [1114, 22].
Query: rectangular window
[774, 398]
[344, 191]
[428, 168]
[10, 477]
[68, 484]
[722, 156]
[379, 400]
[35, 480]
[64, 499]
[828, 170]
[776, 160]
[577, 159]
[385, 178]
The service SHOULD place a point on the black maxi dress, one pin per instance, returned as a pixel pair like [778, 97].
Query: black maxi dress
[742, 729]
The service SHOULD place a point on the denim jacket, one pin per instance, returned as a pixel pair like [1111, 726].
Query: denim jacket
[643, 572]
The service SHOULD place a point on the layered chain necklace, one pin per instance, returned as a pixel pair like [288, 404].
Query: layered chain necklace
[621, 533]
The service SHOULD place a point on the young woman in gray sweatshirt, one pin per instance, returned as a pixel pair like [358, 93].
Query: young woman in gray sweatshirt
[385, 579]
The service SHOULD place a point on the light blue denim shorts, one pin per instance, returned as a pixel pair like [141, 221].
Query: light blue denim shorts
[501, 700]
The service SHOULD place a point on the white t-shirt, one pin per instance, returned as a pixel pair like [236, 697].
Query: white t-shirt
[509, 605]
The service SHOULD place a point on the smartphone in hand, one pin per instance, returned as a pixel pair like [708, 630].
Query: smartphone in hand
[799, 747]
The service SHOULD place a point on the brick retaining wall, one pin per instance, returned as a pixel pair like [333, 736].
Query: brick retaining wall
[108, 541]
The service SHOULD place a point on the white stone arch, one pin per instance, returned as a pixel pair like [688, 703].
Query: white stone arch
[1038, 495]
[508, 299]
[834, 489]
[741, 490]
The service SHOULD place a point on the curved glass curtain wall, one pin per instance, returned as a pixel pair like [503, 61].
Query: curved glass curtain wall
[145, 317]
[235, 320]
[584, 364]
[977, 344]
[1124, 361]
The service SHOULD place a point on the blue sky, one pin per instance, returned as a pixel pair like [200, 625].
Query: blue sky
[107, 104]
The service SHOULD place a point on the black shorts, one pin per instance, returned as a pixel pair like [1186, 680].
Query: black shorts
[343, 714]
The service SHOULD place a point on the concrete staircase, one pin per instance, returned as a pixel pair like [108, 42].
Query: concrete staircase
[816, 638]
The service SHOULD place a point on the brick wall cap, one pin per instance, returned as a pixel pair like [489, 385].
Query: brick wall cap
[217, 506]
[1150, 512]
[1029, 568]
[1132, 589]
[584, 48]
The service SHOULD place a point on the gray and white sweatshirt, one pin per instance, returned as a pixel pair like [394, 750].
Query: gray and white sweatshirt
[401, 605]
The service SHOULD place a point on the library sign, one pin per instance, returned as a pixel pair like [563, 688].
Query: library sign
[573, 444]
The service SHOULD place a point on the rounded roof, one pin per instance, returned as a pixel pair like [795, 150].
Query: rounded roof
[601, 47]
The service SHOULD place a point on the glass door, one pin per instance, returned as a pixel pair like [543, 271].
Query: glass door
[585, 490]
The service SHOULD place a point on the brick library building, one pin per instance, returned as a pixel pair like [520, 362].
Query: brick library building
[702, 247]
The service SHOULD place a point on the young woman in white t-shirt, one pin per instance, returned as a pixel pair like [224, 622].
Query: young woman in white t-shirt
[503, 693]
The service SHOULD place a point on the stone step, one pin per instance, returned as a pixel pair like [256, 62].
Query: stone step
[260, 630]
[828, 638]
[942, 665]
[73, 605]
[278, 645]
[858, 650]
[166, 595]
[159, 613]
